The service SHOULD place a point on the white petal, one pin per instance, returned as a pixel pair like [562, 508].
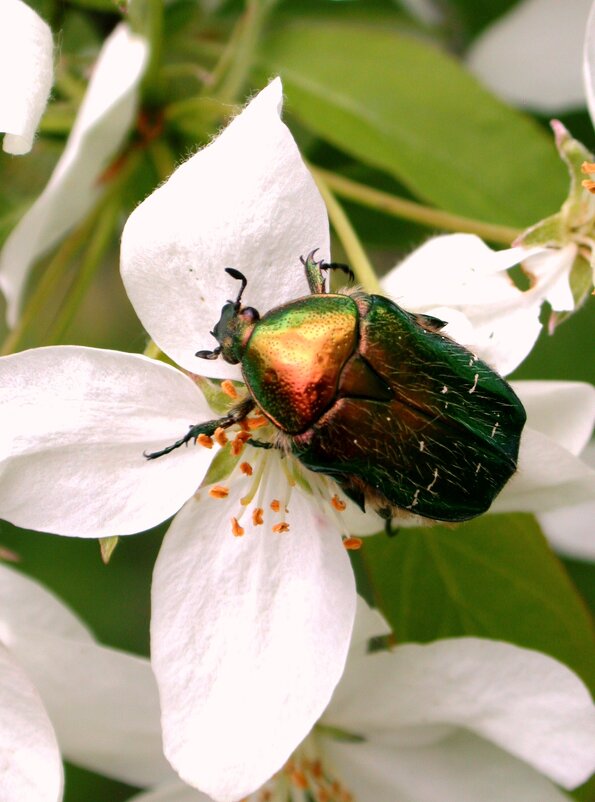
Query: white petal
[245, 201]
[523, 701]
[26, 62]
[462, 768]
[532, 55]
[249, 637]
[31, 768]
[457, 278]
[551, 271]
[172, 792]
[570, 529]
[564, 411]
[103, 120]
[548, 477]
[589, 63]
[74, 425]
[26, 604]
[103, 704]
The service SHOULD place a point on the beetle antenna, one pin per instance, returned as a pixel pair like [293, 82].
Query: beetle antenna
[240, 277]
[208, 354]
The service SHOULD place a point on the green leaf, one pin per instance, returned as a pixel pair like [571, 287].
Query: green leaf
[401, 105]
[493, 577]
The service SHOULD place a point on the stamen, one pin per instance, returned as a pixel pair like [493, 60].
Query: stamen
[219, 491]
[257, 514]
[588, 185]
[257, 422]
[256, 485]
[275, 505]
[282, 526]
[238, 443]
[352, 543]
[246, 468]
[588, 167]
[229, 389]
[220, 436]
[205, 440]
[337, 503]
[236, 529]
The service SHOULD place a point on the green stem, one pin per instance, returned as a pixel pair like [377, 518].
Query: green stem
[358, 261]
[237, 58]
[154, 33]
[50, 278]
[101, 239]
[416, 212]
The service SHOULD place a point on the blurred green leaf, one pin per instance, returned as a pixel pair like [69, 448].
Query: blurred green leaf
[494, 577]
[402, 105]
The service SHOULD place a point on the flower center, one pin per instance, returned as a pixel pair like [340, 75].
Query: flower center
[304, 778]
[269, 475]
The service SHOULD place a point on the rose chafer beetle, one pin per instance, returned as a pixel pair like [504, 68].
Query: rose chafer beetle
[379, 399]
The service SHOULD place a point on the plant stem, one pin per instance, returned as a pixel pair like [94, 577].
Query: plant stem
[237, 58]
[358, 259]
[154, 33]
[416, 212]
[100, 241]
[52, 274]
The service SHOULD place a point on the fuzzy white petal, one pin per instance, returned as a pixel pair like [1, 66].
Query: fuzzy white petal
[249, 637]
[103, 704]
[245, 201]
[589, 63]
[26, 64]
[75, 422]
[457, 278]
[523, 701]
[103, 120]
[551, 271]
[532, 55]
[30, 766]
[462, 768]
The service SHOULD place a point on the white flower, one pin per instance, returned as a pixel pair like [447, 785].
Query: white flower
[250, 633]
[26, 64]
[60, 691]
[103, 120]
[532, 54]
[456, 720]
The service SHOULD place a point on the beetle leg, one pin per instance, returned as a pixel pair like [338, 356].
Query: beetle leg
[339, 266]
[235, 415]
[314, 273]
[259, 443]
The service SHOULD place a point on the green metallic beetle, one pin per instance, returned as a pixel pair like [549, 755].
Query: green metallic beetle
[377, 398]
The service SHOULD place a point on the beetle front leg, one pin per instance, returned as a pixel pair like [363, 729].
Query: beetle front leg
[235, 415]
[314, 272]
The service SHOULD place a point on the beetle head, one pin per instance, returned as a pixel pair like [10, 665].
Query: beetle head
[234, 326]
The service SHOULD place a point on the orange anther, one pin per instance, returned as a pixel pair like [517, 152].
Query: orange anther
[588, 185]
[237, 445]
[337, 503]
[353, 543]
[246, 468]
[256, 423]
[220, 436]
[236, 529]
[298, 778]
[317, 769]
[275, 505]
[588, 167]
[219, 491]
[257, 514]
[282, 526]
[229, 389]
[205, 440]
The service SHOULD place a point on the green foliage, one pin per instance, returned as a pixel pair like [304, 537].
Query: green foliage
[402, 105]
[494, 577]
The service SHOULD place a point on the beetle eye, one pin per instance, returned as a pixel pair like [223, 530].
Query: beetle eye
[250, 314]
